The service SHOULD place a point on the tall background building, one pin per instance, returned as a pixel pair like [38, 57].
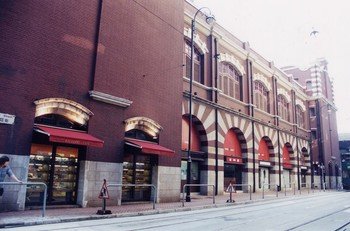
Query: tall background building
[326, 161]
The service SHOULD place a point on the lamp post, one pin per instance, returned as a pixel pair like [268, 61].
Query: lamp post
[320, 139]
[321, 167]
[209, 19]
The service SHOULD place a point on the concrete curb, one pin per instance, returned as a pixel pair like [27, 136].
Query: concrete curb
[46, 220]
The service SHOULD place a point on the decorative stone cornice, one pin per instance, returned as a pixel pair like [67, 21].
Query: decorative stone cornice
[110, 99]
[263, 79]
[144, 124]
[301, 104]
[232, 60]
[282, 91]
[65, 107]
[201, 45]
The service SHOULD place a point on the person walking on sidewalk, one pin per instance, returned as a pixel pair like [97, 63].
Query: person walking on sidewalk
[6, 170]
[230, 189]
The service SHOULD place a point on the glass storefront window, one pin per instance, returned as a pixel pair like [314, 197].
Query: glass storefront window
[58, 170]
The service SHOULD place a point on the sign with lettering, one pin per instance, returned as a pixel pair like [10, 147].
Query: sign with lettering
[233, 160]
[7, 119]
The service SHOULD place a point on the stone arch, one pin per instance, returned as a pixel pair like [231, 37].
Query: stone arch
[198, 43]
[287, 156]
[198, 126]
[241, 142]
[265, 140]
[144, 124]
[64, 107]
[230, 59]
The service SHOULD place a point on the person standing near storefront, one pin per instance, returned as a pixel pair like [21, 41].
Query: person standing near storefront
[6, 170]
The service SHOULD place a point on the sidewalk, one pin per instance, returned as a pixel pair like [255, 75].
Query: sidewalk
[33, 217]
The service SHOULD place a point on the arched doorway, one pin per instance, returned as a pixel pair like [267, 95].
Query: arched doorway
[58, 143]
[287, 151]
[233, 157]
[198, 156]
[265, 154]
[304, 159]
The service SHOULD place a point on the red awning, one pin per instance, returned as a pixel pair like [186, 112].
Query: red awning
[61, 135]
[149, 147]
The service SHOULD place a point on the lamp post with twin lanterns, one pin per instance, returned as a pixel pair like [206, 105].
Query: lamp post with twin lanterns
[209, 18]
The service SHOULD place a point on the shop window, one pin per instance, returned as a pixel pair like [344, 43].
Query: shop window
[57, 166]
[230, 81]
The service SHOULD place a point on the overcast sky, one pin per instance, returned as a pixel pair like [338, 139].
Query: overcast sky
[279, 30]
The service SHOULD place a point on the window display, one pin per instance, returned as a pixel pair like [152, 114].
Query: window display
[56, 169]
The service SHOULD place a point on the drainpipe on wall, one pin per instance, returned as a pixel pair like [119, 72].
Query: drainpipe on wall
[251, 110]
[274, 81]
[216, 117]
[319, 136]
[296, 130]
[96, 42]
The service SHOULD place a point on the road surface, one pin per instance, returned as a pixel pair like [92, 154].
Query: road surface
[328, 211]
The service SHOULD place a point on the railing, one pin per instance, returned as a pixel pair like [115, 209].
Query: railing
[322, 186]
[31, 183]
[189, 185]
[138, 185]
[263, 189]
[306, 185]
[289, 186]
[249, 186]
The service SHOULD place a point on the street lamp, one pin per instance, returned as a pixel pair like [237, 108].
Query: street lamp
[209, 18]
[321, 156]
[321, 167]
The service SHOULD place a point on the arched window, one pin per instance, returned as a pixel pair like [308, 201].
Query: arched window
[197, 63]
[261, 96]
[283, 107]
[230, 81]
[300, 116]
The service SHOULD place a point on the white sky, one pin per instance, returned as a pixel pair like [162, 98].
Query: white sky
[279, 30]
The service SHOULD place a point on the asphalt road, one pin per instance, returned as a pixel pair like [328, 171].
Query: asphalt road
[329, 211]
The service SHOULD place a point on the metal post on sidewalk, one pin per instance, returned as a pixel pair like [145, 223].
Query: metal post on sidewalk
[294, 188]
[263, 189]
[285, 190]
[250, 192]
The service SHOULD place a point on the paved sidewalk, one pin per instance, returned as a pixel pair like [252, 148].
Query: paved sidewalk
[33, 217]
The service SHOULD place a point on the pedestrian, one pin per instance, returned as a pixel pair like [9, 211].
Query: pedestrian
[230, 189]
[6, 170]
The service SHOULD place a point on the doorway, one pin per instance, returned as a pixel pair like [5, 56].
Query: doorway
[264, 177]
[57, 167]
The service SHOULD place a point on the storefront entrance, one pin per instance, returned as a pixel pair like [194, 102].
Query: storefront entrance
[57, 167]
[233, 173]
[137, 169]
[264, 177]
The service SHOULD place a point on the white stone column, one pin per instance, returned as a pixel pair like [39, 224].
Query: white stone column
[168, 182]
[91, 176]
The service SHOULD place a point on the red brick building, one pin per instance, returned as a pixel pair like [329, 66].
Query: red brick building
[80, 77]
[100, 90]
